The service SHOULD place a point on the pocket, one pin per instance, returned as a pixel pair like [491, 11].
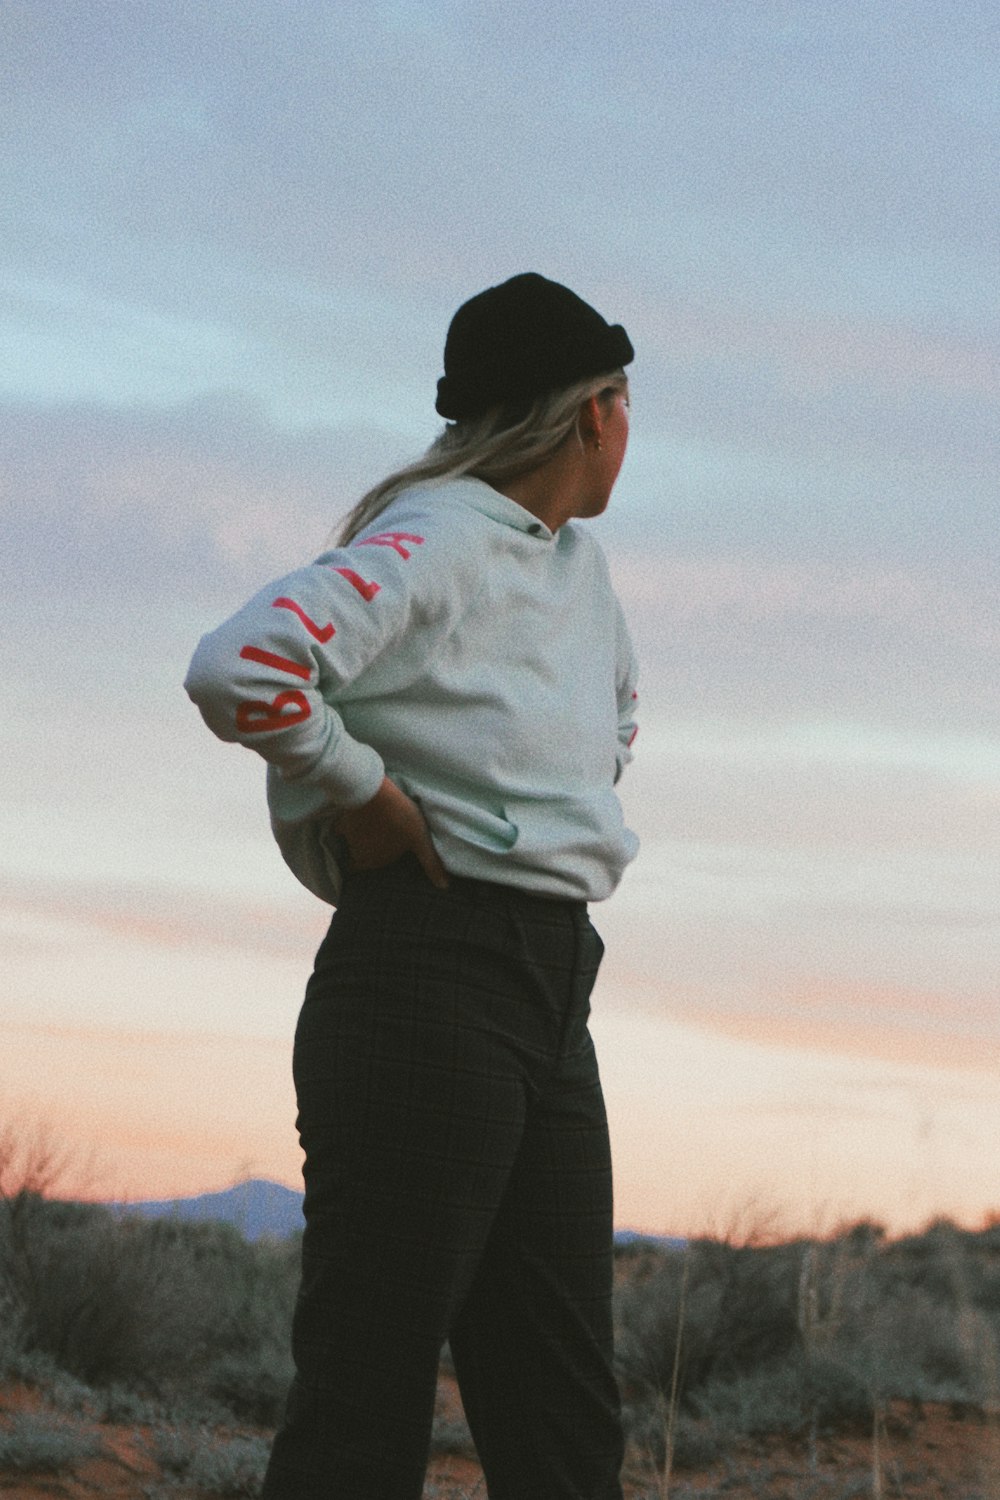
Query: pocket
[484, 830]
[336, 859]
[597, 945]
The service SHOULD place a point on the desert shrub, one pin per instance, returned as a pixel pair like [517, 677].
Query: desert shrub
[121, 1405]
[756, 1317]
[726, 1320]
[834, 1395]
[804, 1337]
[252, 1285]
[251, 1386]
[983, 1281]
[696, 1441]
[154, 1306]
[740, 1311]
[913, 1348]
[132, 1320]
[99, 1296]
[247, 1366]
[939, 1262]
[796, 1397]
[932, 1324]
[217, 1466]
[37, 1443]
[787, 1338]
[11, 1329]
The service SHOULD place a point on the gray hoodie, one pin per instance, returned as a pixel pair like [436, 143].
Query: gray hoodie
[462, 648]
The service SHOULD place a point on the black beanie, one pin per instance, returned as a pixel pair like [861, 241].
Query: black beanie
[520, 340]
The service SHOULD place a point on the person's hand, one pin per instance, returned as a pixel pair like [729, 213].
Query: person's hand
[387, 827]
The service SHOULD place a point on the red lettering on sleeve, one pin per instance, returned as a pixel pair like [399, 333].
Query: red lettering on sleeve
[393, 539]
[282, 663]
[257, 716]
[365, 589]
[321, 633]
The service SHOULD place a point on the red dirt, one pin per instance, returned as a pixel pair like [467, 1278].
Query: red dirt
[939, 1453]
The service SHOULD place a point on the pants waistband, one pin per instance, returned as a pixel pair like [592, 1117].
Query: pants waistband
[409, 871]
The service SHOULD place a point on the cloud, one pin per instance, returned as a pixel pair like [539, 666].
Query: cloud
[749, 590]
[870, 1021]
[788, 1012]
[743, 638]
[288, 208]
[149, 1113]
[138, 1040]
[144, 500]
[234, 236]
[812, 353]
[700, 144]
[166, 918]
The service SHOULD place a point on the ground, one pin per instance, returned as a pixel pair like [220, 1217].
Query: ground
[939, 1453]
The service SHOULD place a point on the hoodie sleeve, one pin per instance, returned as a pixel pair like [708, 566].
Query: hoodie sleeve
[628, 697]
[268, 678]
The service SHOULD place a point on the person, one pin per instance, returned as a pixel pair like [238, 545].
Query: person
[445, 701]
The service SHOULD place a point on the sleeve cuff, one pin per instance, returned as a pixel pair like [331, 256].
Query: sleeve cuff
[355, 775]
[349, 777]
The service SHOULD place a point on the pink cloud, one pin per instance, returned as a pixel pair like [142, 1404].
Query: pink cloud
[146, 1113]
[863, 1019]
[171, 918]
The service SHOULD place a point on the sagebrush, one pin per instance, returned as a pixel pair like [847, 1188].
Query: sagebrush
[141, 1320]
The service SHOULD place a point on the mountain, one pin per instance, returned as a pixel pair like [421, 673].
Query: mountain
[256, 1207]
[629, 1237]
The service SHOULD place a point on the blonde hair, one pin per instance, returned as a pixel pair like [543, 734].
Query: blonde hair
[490, 447]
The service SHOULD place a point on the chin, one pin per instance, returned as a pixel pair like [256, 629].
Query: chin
[591, 506]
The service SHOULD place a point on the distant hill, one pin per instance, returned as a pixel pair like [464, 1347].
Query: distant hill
[258, 1208]
[624, 1237]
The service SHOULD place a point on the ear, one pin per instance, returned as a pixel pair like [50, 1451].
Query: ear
[591, 422]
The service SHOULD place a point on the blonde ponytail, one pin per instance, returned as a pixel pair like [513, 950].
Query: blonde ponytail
[491, 448]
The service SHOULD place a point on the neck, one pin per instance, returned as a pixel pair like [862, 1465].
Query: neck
[552, 491]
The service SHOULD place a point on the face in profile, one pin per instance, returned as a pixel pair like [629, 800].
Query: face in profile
[605, 463]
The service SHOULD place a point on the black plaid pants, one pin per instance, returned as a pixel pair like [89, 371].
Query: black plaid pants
[458, 1186]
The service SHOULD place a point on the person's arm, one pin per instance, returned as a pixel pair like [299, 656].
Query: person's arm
[385, 828]
[268, 679]
[627, 695]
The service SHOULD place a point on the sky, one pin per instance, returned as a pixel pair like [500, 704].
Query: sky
[232, 233]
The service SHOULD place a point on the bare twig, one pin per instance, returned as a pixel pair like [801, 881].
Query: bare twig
[668, 1461]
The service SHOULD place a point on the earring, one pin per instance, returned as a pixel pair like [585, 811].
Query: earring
[599, 445]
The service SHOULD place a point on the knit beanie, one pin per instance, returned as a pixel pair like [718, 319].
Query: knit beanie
[521, 339]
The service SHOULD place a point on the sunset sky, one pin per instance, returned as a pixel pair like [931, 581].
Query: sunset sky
[232, 233]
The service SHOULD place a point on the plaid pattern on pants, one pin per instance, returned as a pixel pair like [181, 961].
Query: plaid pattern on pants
[458, 1186]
